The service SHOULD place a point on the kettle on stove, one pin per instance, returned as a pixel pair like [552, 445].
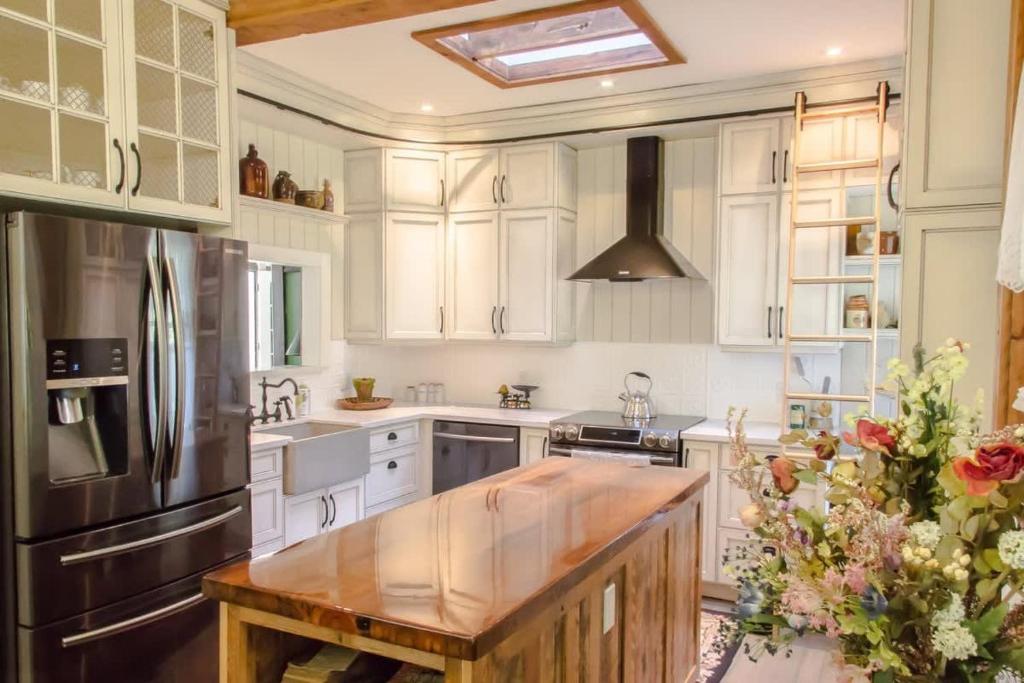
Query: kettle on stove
[638, 404]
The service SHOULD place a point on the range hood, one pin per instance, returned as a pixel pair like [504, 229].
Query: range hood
[644, 253]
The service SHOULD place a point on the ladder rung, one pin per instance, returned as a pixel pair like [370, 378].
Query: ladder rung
[844, 111]
[834, 280]
[804, 338]
[833, 222]
[846, 165]
[847, 398]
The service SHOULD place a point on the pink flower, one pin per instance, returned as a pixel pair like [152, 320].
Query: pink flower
[855, 578]
[871, 436]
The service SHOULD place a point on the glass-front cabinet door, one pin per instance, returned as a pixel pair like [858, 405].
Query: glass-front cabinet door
[176, 108]
[61, 114]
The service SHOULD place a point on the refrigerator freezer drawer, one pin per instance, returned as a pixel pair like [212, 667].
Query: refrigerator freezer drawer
[167, 635]
[74, 574]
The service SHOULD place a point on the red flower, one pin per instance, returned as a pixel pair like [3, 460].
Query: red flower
[990, 465]
[871, 436]
[825, 446]
[782, 469]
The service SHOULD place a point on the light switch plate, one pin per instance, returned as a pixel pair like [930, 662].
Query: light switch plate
[608, 617]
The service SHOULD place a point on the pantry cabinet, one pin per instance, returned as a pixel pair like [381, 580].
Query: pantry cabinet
[750, 156]
[414, 180]
[472, 280]
[515, 177]
[526, 275]
[116, 103]
[473, 177]
[748, 270]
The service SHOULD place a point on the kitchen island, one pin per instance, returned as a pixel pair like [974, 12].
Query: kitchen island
[562, 570]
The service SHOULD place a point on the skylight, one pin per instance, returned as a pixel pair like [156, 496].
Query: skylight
[553, 43]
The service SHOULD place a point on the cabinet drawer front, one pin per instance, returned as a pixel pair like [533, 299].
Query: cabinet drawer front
[267, 511]
[266, 464]
[391, 504]
[394, 436]
[391, 478]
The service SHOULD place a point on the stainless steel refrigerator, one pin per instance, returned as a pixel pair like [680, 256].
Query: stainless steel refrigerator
[125, 446]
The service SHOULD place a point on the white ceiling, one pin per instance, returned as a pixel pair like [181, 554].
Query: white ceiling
[721, 39]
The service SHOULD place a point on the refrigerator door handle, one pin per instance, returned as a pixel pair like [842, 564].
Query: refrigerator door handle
[97, 553]
[160, 439]
[133, 622]
[179, 366]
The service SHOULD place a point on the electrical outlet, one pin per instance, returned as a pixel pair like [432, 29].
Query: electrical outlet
[608, 617]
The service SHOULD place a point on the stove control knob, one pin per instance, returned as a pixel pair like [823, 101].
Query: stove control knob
[665, 441]
[557, 432]
[571, 432]
[650, 440]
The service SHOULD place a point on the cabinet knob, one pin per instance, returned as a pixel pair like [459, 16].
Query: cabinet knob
[392, 465]
[392, 436]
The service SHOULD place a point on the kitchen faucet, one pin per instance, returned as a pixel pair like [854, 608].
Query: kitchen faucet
[264, 415]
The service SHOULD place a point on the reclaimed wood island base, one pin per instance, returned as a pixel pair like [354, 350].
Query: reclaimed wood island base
[565, 570]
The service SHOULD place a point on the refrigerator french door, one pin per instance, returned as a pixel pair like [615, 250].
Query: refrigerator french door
[126, 388]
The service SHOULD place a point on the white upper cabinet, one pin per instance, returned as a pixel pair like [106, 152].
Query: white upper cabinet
[750, 157]
[527, 177]
[526, 275]
[860, 142]
[364, 181]
[955, 101]
[748, 270]
[472, 291]
[473, 180]
[177, 76]
[364, 290]
[414, 180]
[414, 276]
[822, 141]
[121, 103]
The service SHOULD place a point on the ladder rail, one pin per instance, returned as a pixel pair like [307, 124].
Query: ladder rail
[802, 114]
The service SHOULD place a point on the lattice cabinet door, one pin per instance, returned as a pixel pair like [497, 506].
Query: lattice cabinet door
[61, 112]
[177, 108]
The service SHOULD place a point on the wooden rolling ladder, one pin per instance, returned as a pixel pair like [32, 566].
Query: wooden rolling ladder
[877, 105]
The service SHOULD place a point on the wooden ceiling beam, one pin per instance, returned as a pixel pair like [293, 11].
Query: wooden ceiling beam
[259, 21]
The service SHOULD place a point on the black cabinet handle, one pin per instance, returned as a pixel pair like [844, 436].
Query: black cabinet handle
[770, 321]
[442, 191]
[774, 154]
[782, 331]
[686, 458]
[120, 153]
[392, 436]
[502, 187]
[785, 166]
[888, 188]
[324, 501]
[392, 465]
[494, 189]
[441, 309]
[544, 448]
[138, 169]
[494, 329]
[501, 320]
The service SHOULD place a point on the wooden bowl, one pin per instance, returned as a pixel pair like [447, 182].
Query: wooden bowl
[352, 403]
[311, 199]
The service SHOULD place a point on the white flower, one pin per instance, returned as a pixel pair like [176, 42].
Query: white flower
[954, 642]
[950, 615]
[1011, 548]
[926, 534]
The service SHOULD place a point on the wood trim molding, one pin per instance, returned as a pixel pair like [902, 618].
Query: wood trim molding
[1010, 365]
[259, 21]
[632, 8]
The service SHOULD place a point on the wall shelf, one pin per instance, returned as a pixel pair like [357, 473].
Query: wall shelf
[290, 209]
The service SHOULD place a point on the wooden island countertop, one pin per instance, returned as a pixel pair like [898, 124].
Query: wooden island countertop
[510, 571]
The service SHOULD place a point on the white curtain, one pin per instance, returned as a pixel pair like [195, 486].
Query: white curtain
[1011, 256]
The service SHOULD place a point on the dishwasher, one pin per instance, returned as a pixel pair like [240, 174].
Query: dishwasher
[466, 451]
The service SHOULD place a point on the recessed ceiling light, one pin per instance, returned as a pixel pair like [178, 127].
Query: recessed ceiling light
[834, 51]
[607, 83]
[426, 107]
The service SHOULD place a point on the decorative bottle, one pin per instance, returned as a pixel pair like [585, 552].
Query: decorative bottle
[253, 176]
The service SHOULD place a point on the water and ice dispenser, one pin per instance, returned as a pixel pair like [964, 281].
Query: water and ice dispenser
[87, 388]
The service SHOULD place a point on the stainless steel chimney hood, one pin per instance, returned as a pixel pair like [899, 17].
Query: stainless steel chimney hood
[644, 253]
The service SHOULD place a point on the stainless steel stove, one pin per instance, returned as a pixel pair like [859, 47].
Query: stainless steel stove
[600, 435]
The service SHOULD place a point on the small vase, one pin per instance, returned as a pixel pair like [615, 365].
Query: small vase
[253, 176]
[285, 188]
[328, 196]
[363, 387]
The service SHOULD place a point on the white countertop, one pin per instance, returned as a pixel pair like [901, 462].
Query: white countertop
[758, 433]
[262, 442]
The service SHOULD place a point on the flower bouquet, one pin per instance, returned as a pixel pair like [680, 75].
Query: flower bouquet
[915, 566]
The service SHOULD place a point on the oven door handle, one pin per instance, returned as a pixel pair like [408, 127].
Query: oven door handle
[482, 439]
[656, 459]
[106, 551]
[134, 622]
